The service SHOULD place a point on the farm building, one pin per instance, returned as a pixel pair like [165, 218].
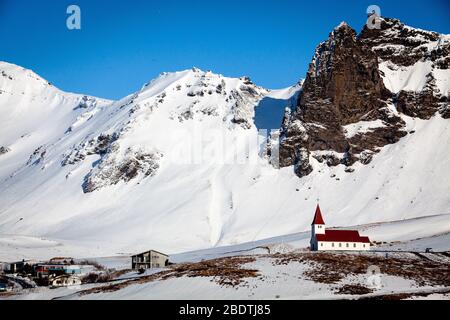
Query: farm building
[149, 259]
[335, 240]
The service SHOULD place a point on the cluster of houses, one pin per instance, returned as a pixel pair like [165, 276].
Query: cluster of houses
[57, 272]
[63, 271]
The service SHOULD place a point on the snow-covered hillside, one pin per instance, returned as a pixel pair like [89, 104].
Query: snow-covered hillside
[180, 165]
[145, 169]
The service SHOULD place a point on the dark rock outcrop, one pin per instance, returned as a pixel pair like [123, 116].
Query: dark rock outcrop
[86, 103]
[3, 150]
[400, 44]
[113, 169]
[99, 145]
[344, 112]
[343, 86]
[403, 46]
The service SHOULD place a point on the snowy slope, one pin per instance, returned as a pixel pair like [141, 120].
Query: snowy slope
[179, 166]
[33, 113]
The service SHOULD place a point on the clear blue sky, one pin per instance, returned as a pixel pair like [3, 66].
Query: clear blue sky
[123, 44]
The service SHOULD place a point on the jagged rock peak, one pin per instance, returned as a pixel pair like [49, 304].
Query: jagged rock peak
[343, 86]
[404, 45]
[343, 24]
[342, 31]
[344, 28]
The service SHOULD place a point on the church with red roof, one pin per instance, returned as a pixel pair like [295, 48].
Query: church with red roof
[334, 240]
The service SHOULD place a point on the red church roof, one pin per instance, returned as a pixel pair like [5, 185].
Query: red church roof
[318, 217]
[342, 236]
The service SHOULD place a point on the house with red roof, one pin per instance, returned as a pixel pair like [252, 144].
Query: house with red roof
[335, 240]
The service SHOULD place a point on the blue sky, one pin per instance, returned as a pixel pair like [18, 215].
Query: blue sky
[123, 44]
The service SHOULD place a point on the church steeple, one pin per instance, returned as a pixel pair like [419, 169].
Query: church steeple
[317, 226]
[318, 217]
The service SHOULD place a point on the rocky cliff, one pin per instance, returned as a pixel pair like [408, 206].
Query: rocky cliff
[403, 48]
[348, 110]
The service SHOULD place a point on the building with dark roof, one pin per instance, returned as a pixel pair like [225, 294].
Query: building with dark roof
[149, 259]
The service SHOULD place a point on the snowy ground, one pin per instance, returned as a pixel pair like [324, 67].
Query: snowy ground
[287, 280]
[411, 234]
[274, 280]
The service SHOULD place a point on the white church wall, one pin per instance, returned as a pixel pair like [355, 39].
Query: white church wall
[318, 229]
[342, 246]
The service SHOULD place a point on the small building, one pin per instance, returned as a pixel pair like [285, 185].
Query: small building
[24, 266]
[64, 280]
[45, 270]
[149, 259]
[335, 240]
[16, 267]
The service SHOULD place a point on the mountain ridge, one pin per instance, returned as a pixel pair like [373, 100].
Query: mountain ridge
[128, 174]
[347, 83]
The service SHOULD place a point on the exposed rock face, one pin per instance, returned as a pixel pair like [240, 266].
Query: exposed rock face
[3, 150]
[114, 165]
[240, 99]
[100, 145]
[37, 156]
[243, 101]
[86, 103]
[343, 86]
[401, 47]
[113, 169]
[422, 104]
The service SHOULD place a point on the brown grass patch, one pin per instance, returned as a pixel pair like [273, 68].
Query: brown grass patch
[355, 289]
[224, 271]
[331, 268]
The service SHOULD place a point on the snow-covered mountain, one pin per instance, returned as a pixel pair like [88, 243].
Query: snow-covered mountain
[180, 165]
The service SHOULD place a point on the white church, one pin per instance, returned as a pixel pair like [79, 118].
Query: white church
[335, 240]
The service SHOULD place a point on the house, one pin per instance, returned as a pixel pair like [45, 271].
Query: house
[46, 270]
[16, 267]
[23, 266]
[64, 280]
[335, 240]
[149, 259]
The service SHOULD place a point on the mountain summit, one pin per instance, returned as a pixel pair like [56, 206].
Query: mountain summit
[353, 82]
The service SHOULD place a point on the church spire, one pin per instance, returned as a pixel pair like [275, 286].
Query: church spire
[318, 216]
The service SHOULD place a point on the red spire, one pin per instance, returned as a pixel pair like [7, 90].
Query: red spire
[318, 216]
